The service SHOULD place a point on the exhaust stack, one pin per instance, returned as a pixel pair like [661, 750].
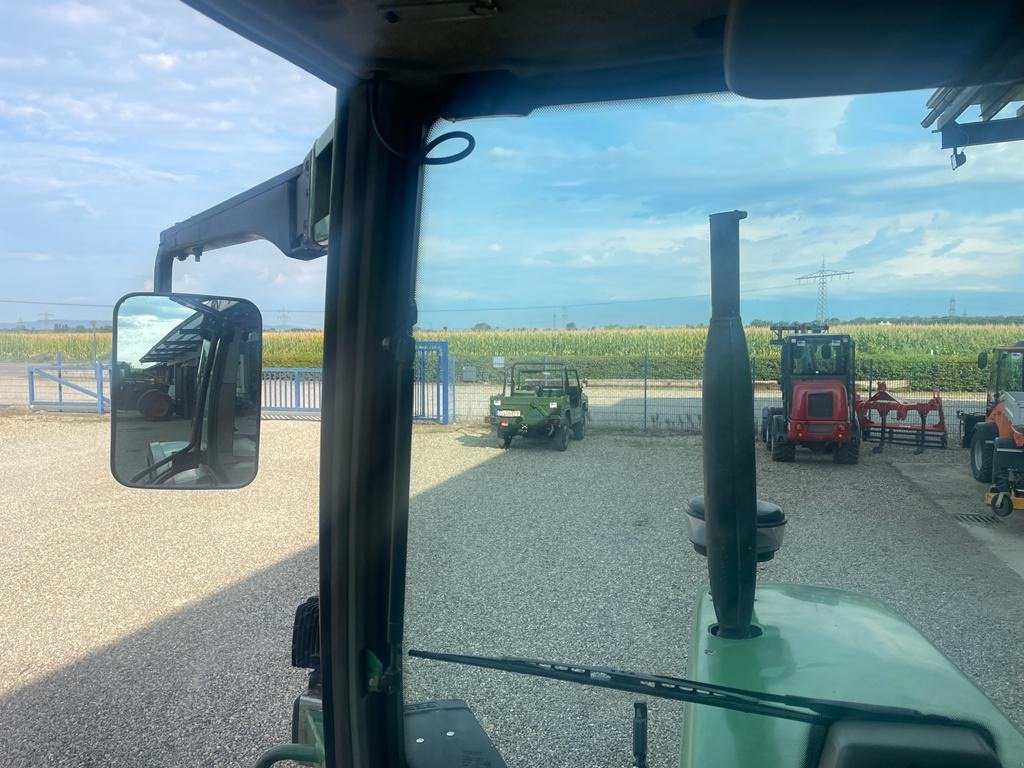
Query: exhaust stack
[730, 483]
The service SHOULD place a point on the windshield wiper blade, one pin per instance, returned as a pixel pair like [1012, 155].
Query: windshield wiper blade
[784, 706]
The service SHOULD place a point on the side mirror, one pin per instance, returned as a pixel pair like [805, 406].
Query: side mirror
[186, 380]
[983, 360]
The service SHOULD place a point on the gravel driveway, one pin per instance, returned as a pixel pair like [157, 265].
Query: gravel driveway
[152, 629]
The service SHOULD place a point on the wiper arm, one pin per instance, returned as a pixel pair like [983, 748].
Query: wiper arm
[784, 706]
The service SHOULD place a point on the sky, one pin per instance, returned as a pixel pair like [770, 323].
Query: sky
[118, 119]
[142, 321]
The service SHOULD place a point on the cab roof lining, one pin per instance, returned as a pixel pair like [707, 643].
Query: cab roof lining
[511, 56]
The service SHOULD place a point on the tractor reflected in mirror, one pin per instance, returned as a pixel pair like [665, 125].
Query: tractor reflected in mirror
[185, 391]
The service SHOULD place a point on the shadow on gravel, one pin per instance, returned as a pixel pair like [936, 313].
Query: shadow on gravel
[210, 685]
[478, 439]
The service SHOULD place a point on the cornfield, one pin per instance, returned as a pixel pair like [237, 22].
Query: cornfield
[305, 348]
[948, 341]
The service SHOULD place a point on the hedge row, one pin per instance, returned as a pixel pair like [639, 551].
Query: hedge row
[924, 372]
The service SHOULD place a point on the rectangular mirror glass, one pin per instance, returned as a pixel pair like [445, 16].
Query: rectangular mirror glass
[185, 391]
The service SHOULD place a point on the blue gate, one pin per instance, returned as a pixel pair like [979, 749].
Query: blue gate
[433, 390]
[68, 387]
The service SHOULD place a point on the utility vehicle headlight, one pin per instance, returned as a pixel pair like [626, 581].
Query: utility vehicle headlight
[552, 405]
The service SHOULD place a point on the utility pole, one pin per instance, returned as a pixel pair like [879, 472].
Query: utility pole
[565, 316]
[822, 276]
[952, 307]
[283, 317]
[45, 317]
[94, 341]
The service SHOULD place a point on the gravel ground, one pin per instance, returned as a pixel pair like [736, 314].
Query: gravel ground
[150, 629]
[590, 563]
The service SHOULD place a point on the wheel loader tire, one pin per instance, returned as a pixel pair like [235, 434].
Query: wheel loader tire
[981, 454]
[781, 449]
[848, 452]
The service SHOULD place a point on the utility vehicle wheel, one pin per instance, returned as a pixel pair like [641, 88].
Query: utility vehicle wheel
[155, 405]
[766, 417]
[579, 429]
[1002, 504]
[562, 437]
[780, 448]
[848, 452]
[981, 454]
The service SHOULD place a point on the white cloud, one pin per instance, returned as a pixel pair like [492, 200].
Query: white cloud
[161, 61]
[75, 13]
[502, 152]
[495, 248]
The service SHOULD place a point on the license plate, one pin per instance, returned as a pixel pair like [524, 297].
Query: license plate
[820, 428]
[509, 414]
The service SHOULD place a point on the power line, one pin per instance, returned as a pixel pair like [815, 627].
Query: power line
[610, 302]
[507, 308]
[56, 303]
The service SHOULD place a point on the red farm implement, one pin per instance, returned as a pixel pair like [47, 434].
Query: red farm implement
[885, 415]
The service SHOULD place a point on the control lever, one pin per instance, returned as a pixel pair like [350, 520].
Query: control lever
[639, 734]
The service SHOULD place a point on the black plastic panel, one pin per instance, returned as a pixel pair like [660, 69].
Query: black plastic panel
[446, 734]
[856, 744]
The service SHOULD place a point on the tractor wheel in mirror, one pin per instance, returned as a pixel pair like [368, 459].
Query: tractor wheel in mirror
[155, 405]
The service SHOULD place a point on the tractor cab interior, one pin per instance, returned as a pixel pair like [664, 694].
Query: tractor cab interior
[795, 676]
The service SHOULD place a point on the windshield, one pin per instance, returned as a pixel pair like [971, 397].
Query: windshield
[539, 379]
[1011, 371]
[582, 235]
[813, 357]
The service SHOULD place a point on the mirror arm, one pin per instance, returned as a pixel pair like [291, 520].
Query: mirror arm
[278, 210]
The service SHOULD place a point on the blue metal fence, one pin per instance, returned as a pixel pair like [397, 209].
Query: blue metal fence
[292, 389]
[80, 387]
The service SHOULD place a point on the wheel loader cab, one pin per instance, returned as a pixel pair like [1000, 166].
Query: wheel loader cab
[816, 379]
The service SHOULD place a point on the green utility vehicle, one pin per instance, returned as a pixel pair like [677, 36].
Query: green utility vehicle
[540, 400]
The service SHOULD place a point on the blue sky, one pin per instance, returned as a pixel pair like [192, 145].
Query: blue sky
[118, 119]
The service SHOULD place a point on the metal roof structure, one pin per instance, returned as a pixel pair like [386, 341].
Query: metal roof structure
[946, 107]
[181, 343]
